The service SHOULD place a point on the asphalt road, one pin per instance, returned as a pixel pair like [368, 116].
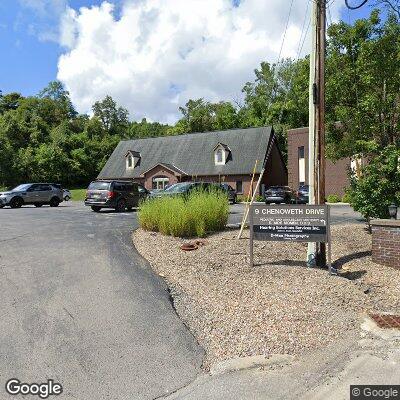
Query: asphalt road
[79, 306]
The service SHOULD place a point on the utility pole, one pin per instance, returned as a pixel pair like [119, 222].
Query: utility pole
[316, 253]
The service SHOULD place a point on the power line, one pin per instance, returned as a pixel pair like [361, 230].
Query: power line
[355, 7]
[299, 50]
[286, 27]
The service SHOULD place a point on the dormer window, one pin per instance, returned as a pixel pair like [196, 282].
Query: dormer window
[132, 159]
[221, 154]
[129, 161]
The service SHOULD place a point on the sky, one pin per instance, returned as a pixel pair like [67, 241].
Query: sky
[151, 56]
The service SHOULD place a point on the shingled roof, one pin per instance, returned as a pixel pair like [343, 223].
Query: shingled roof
[192, 153]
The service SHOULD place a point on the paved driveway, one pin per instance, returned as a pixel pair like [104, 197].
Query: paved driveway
[78, 305]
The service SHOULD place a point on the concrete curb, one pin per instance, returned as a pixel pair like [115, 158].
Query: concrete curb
[238, 364]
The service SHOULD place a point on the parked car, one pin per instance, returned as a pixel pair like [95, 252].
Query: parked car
[185, 188]
[120, 195]
[67, 195]
[230, 191]
[177, 189]
[280, 194]
[37, 194]
[302, 194]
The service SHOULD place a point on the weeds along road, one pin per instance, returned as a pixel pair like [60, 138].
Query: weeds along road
[81, 307]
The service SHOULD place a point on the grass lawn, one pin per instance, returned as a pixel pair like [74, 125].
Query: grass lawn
[78, 194]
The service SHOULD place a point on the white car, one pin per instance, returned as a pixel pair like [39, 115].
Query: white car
[67, 195]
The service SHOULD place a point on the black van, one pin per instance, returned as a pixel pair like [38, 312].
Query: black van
[120, 195]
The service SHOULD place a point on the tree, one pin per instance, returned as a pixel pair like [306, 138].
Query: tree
[56, 92]
[391, 5]
[378, 186]
[9, 101]
[198, 115]
[363, 86]
[113, 118]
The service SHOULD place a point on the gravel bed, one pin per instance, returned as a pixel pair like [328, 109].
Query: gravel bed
[279, 306]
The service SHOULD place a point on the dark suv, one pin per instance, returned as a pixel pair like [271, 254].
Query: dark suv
[230, 192]
[120, 195]
[280, 194]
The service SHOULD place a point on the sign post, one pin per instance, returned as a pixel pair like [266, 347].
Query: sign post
[290, 223]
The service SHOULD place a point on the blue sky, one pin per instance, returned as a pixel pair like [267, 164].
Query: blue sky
[29, 45]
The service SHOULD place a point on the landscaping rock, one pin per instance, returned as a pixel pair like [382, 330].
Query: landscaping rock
[278, 307]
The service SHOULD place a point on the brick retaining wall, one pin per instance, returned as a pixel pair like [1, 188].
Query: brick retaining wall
[386, 242]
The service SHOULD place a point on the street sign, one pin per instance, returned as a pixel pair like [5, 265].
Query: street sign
[290, 223]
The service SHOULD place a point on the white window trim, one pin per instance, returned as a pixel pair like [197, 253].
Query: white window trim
[223, 162]
[130, 157]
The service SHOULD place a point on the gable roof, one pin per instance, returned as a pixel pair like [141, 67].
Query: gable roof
[171, 167]
[133, 153]
[193, 153]
[224, 146]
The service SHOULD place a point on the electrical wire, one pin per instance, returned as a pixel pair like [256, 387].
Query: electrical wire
[286, 27]
[299, 50]
[355, 7]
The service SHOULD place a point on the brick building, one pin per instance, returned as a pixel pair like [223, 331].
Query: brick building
[222, 156]
[337, 173]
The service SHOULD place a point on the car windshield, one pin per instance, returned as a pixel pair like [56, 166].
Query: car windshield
[276, 188]
[178, 188]
[304, 187]
[99, 186]
[21, 188]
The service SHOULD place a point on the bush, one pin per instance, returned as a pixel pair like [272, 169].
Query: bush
[378, 186]
[333, 198]
[346, 198]
[196, 215]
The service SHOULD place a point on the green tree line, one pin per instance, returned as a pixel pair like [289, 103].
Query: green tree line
[43, 138]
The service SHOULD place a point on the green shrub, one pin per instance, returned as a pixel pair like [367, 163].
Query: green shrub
[333, 198]
[346, 198]
[195, 215]
[243, 198]
[378, 186]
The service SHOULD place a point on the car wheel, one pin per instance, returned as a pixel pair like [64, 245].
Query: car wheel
[121, 205]
[38, 205]
[95, 208]
[54, 202]
[1, 205]
[129, 208]
[16, 202]
[67, 198]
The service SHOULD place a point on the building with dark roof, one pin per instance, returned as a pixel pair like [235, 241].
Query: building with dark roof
[223, 156]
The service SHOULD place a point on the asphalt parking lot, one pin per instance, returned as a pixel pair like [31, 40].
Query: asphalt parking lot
[81, 307]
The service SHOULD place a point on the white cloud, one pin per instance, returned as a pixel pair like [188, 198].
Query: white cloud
[43, 19]
[157, 54]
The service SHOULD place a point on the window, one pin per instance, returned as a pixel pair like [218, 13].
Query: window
[160, 182]
[219, 156]
[239, 187]
[302, 165]
[129, 161]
